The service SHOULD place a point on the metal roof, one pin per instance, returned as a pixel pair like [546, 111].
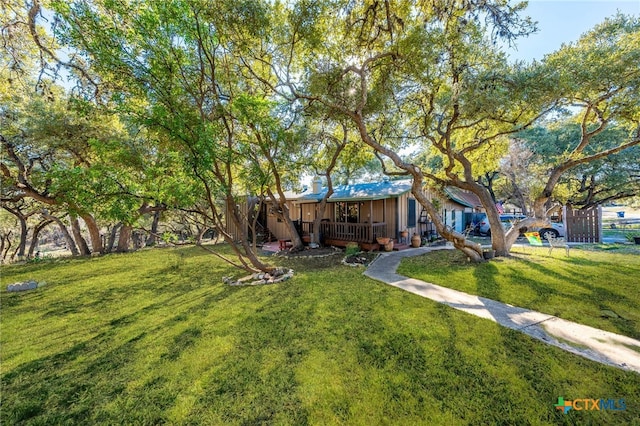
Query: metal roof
[359, 191]
[463, 197]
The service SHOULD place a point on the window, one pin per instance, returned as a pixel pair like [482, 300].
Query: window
[411, 216]
[347, 212]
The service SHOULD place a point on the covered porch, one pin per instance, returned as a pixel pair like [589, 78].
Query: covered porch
[336, 232]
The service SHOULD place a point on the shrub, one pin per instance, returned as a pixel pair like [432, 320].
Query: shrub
[352, 248]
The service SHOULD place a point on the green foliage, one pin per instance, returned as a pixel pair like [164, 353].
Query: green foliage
[228, 100]
[351, 249]
[630, 236]
[169, 237]
[612, 177]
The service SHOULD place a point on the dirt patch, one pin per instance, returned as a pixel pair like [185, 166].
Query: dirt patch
[309, 253]
[320, 258]
[360, 259]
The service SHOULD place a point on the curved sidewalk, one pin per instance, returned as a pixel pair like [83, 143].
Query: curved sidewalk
[594, 344]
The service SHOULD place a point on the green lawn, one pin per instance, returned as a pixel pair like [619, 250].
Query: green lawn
[154, 337]
[596, 285]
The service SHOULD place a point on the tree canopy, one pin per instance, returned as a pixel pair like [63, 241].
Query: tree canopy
[181, 98]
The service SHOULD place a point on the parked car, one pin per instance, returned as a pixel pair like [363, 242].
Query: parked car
[483, 228]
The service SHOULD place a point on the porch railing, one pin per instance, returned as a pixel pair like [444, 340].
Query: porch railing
[357, 232]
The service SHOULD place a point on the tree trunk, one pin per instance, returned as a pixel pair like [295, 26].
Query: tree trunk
[5, 245]
[153, 235]
[498, 242]
[34, 236]
[322, 208]
[285, 216]
[77, 234]
[94, 233]
[71, 245]
[24, 232]
[471, 249]
[124, 238]
[138, 240]
[254, 264]
[296, 240]
[200, 236]
[112, 237]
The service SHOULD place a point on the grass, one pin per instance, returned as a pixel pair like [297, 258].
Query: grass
[585, 287]
[154, 337]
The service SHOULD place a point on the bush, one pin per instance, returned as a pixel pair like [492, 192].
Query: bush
[352, 248]
[630, 236]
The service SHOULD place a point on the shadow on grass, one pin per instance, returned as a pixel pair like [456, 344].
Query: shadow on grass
[67, 387]
[485, 281]
[599, 297]
[256, 383]
[79, 385]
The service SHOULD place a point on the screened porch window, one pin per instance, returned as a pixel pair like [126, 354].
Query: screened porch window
[347, 212]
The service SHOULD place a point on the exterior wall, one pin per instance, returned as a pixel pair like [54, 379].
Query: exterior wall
[309, 211]
[279, 228]
[454, 218]
[233, 230]
[453, 213]
[373, 211]
[392, 217]
[370, 211]
[403, 215]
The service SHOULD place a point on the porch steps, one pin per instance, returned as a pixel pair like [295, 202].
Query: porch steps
[265, 235]
[399, 247]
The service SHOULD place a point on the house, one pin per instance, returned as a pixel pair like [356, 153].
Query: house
[458, 207]
[363, 211]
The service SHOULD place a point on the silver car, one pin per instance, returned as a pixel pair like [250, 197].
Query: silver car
[556, 230]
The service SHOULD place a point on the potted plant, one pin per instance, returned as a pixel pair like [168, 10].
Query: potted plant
[416, 240]
[633, 238]
[488, 253]
[404, 234]
[383, 240]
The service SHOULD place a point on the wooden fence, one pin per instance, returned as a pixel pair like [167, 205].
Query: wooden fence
[583, 226]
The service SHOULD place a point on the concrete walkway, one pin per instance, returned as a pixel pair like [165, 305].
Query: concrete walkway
[591, 343]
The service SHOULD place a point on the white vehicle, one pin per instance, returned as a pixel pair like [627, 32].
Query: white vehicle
[556, 230]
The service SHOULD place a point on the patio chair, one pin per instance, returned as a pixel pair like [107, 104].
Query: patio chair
[557, 242]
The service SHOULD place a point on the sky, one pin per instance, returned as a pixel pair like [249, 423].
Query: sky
[563, 21]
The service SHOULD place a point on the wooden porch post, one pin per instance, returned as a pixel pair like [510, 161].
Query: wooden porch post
[371, 220]
[384, 217]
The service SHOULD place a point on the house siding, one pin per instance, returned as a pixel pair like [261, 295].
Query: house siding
[231, 228]
[279, 228]
[403, 215]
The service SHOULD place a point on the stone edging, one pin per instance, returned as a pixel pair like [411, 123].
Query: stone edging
[344, 261]
[320, 256]
[277, 276]
[25, 285]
